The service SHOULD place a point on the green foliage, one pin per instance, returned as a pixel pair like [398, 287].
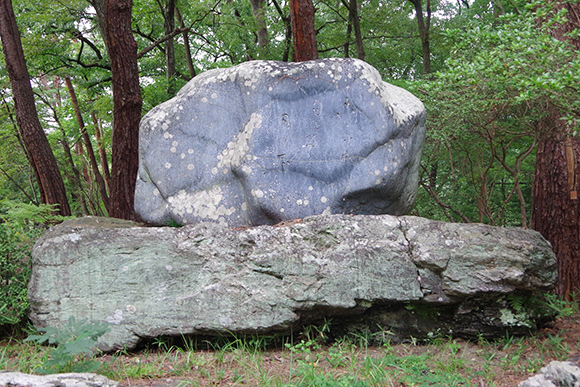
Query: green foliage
[20, 225]
[75, 345]
[561, 307]
[485, 115]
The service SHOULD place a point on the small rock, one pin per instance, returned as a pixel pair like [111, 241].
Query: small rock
[18, 379]
[555, 374]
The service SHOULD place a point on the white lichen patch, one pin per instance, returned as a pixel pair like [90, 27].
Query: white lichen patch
[257, 193]
[74, 237]
[202, 204]
[116, 318]
[237, 149]
[508, 318]
[131, 309]
[323, 199]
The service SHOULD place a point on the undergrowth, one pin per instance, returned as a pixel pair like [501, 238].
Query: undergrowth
[20, 226]
[308, 359]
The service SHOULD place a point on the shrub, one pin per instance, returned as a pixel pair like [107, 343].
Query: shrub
[20, 226]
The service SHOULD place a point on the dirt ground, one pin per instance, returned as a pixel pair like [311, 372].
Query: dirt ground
[501, 363]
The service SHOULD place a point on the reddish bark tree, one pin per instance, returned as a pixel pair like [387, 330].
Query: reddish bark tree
[46, 169]
[127, 103]
[303, 30]
[555, 203]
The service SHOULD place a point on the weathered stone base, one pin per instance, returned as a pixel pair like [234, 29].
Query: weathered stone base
[404, 275]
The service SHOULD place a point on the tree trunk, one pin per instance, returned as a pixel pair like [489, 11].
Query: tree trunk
[424, 25]
[354, 21]
[555, 203]
[303, 30]
[556, 208]
[260, 17]
[102, 151]
[127, 103]
[171, 72]
[44, 163]
[186, 46]
[88, 144]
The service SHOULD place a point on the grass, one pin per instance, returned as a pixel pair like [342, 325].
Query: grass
[311, 361]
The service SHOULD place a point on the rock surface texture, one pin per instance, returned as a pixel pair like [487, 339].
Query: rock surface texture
[18, 379]
[265, 141]
[555, 374]
[407, 275]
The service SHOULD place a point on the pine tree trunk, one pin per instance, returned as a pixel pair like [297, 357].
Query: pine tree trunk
[127, 103]
[43, 161]
[555, 203]
[303, 30]
[556, 208]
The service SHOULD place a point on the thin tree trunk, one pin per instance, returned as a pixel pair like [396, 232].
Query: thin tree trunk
[424, 24]
[186, 46]
[17, 185]
[127, 103]
[171, 72]
[347, 40]
[44, 163]
[353, 17]
[102, 151]
[260, 17]
[88, 144]
[303, 30]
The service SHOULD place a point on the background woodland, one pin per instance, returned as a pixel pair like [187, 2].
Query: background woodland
[500, 80]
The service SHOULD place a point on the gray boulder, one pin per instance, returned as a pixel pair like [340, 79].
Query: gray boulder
[407, 275]
[266, 141]
[18, 379]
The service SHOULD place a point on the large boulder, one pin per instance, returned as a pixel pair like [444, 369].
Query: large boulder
[406, 275]
[266, 141]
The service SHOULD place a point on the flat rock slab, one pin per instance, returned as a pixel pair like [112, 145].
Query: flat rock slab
[268, 141]
[18, 379]
[405, 274]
